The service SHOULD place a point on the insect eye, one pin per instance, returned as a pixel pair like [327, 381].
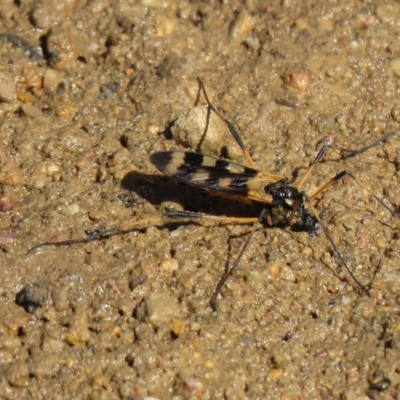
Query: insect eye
[290, 192]
[311, 224]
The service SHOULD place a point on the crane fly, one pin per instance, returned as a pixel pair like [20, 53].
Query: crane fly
[225, 178]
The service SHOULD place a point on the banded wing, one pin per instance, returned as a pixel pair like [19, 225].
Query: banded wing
[215, 175]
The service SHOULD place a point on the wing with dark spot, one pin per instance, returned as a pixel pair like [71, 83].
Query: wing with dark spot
[216, 175]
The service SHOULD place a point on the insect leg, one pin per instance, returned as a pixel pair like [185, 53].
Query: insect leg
[320, 154]
[326, 185]
[155, 220]
[229, 220]
[346, 153]
[230, 125]
[89, 238]
[341, 175]
[229, 271]
[217, 218]
[353, 153]
[336, 250]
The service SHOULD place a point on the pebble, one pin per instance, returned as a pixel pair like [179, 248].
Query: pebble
[52, 80]
[169, 265]
[297, 79]
[159, 308]
[241, 27]
[189, 132]
[74, 140]
[394, 67]
[6, 204]
[10, 173]
[60, 299]
[32, 296]
[8, 91]
[389, 13]
[7, 236]
[79, 331]
[17, 374]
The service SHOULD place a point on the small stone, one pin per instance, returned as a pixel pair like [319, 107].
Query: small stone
[10, 172]
[66, 110]
[297, 79]
[8, 91]
[79, 331]
[33, 78]
[7, 236]
[178, 327]
[275, 373]
[60, 299]
[100, 381]
[6, 204]
[257, 281]
[389, 13]
[98, 215]
[191, 132]
[241, 27]
[394, 67]
[17, 374]
[159, 308]
[74, 140]
[169, 265]
[32, 296]
[52, 345]
[52, 80]
[72, 209]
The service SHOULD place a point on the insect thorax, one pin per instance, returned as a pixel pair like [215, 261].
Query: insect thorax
[285, 195]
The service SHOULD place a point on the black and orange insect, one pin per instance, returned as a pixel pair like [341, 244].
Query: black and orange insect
[225, 178]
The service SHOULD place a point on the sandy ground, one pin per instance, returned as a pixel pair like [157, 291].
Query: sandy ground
[88, 91]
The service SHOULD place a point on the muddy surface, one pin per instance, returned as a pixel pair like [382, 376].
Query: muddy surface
[88, 90]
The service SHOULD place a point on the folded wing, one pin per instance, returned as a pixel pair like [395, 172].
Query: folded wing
[219, 176]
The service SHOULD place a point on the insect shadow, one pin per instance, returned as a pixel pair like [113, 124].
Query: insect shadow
[157, 189]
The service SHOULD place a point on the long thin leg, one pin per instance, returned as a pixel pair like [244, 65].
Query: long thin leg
[154, 220]
[229, 271]
[346, 153]
[230, 125]
[216, 218]
[353, 153]
[89, 238]
[341, 175]
[320, 154]
[326, 185]
[337, 252]
[229, 220]
[143, 223]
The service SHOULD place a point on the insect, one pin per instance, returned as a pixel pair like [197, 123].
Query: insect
[226, 178]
